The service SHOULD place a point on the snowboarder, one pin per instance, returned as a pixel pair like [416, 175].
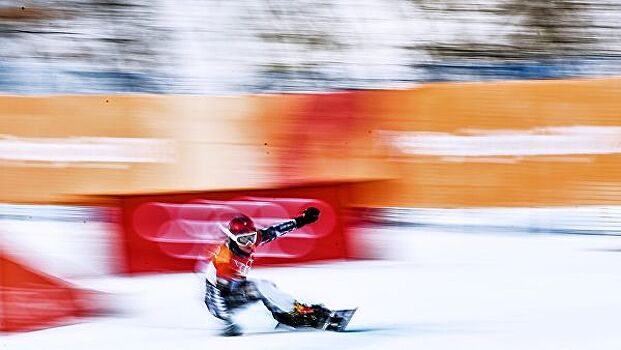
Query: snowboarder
[228, 289]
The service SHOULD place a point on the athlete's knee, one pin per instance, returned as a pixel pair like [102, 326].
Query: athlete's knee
[263, 284]
[250, 290]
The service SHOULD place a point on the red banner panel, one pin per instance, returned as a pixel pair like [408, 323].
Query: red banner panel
[172, 232]
[30, 299]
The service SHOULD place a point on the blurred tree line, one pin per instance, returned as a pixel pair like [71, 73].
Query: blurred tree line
[204, 46]
[67, 44]
[522, 39]
[538, 28]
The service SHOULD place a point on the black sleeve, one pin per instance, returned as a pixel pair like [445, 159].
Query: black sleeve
[271, 233]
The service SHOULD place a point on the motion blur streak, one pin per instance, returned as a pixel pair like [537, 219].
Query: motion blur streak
[197, 225]
[465, 157]
[85, 150]
[534, 142]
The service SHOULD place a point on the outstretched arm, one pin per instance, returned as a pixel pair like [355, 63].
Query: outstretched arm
[309, 215]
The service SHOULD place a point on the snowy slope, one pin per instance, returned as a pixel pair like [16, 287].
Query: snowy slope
[437, 291]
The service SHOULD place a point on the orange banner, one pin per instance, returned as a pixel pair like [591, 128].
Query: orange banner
[441, 145]
[60, 148]
[535, 143]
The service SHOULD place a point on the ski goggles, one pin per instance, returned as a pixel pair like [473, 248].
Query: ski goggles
[246, 239]
[242, 239]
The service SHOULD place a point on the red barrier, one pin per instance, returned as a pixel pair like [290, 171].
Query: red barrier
[30, 299]
[172, 232]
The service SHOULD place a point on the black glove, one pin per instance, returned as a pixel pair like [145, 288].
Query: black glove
[309, 215]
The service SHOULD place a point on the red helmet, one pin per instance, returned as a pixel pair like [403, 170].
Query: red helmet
[243, 229]
[241, 224]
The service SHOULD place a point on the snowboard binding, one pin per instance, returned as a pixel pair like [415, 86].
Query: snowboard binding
[315, 316]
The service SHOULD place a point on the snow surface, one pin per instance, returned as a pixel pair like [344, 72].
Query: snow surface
[434, 290]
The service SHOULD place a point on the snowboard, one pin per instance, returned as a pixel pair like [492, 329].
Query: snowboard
[338, 320]
[335, 320]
